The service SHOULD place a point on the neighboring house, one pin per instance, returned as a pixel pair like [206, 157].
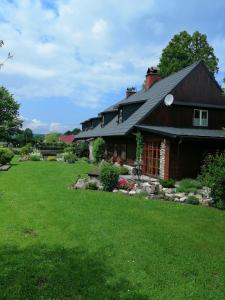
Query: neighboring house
[178, 130]
[68, 139]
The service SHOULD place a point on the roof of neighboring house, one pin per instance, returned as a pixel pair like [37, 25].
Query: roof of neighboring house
[68, 139]
[151, 97]
[184, 132]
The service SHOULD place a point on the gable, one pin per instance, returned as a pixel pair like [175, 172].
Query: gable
[199, 87]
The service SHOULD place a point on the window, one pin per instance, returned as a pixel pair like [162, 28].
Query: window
[200, 117]
[120, 116]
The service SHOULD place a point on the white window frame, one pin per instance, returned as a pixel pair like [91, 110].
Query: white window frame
[201, 122]
[120, 116]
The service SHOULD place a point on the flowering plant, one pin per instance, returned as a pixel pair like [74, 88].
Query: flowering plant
[124, 184]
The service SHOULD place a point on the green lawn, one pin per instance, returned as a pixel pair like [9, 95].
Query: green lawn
[59, 243]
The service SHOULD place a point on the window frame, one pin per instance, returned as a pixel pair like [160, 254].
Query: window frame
[199, 122]
[120, 116]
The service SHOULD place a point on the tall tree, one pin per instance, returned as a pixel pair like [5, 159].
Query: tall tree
[52, 137]
[9, 115]
[185, 49]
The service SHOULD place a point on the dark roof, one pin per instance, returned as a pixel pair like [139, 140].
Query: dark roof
[152, 98]
[184, 132]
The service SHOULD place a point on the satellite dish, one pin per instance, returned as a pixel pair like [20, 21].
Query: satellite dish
[168, 100]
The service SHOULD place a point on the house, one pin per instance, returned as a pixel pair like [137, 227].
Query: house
[68, 139]
[180, 117]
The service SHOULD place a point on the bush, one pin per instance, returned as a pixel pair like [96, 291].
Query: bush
[92, 186]
[109, 176]
[27, 149]
[218, 192]
[98, 149]
[81, 149]
[123, 170]
[189, 186]
[16, 151]
[51, 158]
[167, 183]
[70, 158]
[213, 176]
[6, 156]
[192, 200]
[212, 168]
[35, 156]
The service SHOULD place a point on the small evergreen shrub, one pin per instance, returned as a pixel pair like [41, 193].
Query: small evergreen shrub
[218, 192]
[123, 170]
[192, 200]
[98, 149]
[70, 158]
[6, 156]
[167, 183]
[92, 186]
[81, 149]
[213, 176]
[188, 185]
[27, 149]
[109, 176]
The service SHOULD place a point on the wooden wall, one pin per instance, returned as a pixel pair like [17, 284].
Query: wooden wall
[182, 116]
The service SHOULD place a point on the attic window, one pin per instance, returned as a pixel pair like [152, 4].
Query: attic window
[120, 116]
[200, 118]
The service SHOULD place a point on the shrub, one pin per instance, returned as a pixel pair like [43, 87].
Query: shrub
[98, 149]
[35, 156]
[192, 200]
[51, 158]
[189, 185]
[123, 170]
[81, 149]
[212, 168]
[109, 176]
[70, 158]
[167, 183]
[27, 149]
[16, 151]
[218, 192]
[92, 186]
[6, 156]
[213, 176]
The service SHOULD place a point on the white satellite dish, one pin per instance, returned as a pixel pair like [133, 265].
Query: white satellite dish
[168, 100]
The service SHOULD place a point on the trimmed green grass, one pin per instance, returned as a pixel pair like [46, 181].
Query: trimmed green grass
[58, 243]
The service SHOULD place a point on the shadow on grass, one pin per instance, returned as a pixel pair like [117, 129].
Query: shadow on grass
[58, 273]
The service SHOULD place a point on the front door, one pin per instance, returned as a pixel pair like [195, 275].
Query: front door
[151, 159]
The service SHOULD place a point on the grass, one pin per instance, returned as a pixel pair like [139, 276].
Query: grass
[189, 185]
[59, 243]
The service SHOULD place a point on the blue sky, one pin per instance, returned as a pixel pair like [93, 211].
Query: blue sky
[73, 58]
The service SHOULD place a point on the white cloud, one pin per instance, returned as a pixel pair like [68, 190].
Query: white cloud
[39, 126]
[99, 29]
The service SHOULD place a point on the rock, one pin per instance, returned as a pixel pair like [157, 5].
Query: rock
[183, 199]
[132, 193]
[5, 167]
[169, 196]
[115, 191]
[138, 191]
[81, 184]
[179, 195]
[123, 191]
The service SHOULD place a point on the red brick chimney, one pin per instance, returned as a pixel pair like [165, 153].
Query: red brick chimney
[151, 77]
[130, 91]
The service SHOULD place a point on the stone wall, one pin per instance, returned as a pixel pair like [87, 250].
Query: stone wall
[162, 154]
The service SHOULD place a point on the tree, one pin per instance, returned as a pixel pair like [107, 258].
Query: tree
[185, 49]
[28, 135]
[52, 137]
[9, 115]
[75, 131]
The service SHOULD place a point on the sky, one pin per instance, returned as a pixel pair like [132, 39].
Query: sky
[74, 58]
